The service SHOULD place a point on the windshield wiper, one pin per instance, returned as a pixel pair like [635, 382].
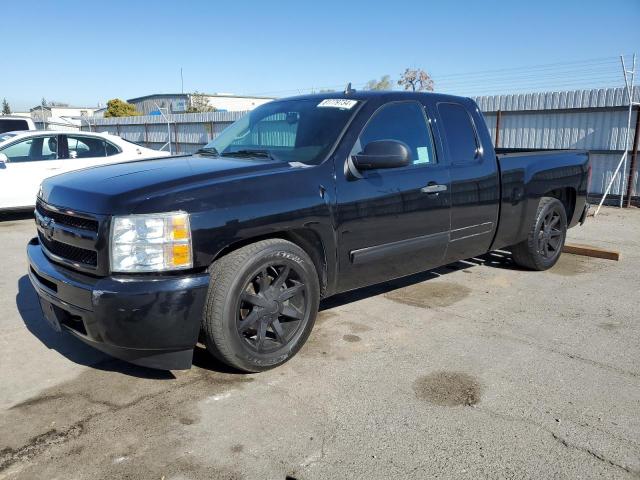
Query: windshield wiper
[208, 151]
[250, 153]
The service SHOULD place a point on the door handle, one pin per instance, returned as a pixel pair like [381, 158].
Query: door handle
[434, 188]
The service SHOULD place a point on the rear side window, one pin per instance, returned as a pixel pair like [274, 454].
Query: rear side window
[10, 125]
[86, 147]
[459, 132]
[404, 122]
[111, 149]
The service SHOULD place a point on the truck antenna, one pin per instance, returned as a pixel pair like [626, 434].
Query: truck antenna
[348, 90]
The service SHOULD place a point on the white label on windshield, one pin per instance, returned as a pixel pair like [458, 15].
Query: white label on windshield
[338, 103]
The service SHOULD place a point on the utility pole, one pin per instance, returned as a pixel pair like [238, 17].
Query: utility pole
[181, 81]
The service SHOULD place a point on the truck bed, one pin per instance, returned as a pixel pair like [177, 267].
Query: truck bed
[527, 175]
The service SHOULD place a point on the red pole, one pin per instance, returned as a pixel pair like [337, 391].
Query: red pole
[633, 166]
[498, 118]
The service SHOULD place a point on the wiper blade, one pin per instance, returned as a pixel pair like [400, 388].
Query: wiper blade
[208, 151]
[250, 153]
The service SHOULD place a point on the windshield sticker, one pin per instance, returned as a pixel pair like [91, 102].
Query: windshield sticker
[338, 103]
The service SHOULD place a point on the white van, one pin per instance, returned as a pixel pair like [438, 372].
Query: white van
[14, 124]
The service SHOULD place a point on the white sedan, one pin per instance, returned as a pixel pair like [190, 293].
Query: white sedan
[28, 157]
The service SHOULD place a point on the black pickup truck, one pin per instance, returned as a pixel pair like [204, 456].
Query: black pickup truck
[301, 199]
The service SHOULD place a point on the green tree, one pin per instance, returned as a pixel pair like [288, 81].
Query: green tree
[416, 80]
[383, 84]
[120, 108]
[6, 109]
[198, 102]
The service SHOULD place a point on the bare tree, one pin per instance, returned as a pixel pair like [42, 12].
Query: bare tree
[417, 80]
[385, 83]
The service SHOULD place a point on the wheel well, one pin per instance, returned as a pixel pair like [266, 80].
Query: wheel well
[306, 239]
[568, 198]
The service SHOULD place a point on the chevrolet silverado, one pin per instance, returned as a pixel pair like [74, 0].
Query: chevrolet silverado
[301, 199]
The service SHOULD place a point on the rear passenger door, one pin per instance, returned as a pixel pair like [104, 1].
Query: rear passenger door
[393, 222]
[475, 182]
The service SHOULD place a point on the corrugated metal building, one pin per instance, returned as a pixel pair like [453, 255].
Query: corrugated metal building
[594, 120]
[189, 131]
[180, 102]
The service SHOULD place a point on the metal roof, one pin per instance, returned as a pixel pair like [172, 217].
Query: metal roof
[218, 95]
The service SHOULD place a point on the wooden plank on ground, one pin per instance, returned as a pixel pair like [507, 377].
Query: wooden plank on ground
[590, 251]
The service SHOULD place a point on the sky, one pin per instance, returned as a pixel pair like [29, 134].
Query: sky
[83, 53]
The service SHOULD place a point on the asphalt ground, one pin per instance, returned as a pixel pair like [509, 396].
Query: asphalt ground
[474, 370]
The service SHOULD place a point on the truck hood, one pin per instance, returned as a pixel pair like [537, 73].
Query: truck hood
[124, 187]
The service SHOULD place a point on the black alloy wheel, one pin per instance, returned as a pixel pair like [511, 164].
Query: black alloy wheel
[261, 306]
[547, 233]
[551, 234]
[271, 307]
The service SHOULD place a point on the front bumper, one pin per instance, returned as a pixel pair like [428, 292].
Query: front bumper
[152, 321]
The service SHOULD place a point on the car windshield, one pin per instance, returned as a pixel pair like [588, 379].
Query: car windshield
[6, 136]
[287, 130]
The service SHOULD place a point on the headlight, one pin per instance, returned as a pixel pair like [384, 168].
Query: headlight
[151, 243]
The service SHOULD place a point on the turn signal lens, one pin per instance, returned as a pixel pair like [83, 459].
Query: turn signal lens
[180, 228]
[180, 255]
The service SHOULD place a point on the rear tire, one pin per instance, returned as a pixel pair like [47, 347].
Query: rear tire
[543, 246]
[261, 306]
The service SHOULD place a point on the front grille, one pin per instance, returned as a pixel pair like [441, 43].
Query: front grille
[69, 252]
[64, 219]
[68, 237]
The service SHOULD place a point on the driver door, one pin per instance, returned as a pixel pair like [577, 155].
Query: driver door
[29, 162]
[393, 222]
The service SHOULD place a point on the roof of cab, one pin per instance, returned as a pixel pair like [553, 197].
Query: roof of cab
[386, 94]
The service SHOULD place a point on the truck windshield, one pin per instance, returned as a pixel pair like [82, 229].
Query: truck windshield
[289, 131]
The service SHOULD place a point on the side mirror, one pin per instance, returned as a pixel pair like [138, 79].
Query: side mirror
[3, 160]
[383, 154]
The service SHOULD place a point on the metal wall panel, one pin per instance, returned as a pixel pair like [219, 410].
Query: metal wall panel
[594, 130]
[490, 120]
[567, 100]
[174, 118]
[602, 167]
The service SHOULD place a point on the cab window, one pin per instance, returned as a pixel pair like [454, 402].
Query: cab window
[459, 133]
[404, 122]
[33, 149]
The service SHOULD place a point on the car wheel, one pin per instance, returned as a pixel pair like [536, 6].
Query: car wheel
[543, 245]
[261, 305]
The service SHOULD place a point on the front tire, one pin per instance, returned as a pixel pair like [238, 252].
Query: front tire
[261, 306]
[542, 248]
